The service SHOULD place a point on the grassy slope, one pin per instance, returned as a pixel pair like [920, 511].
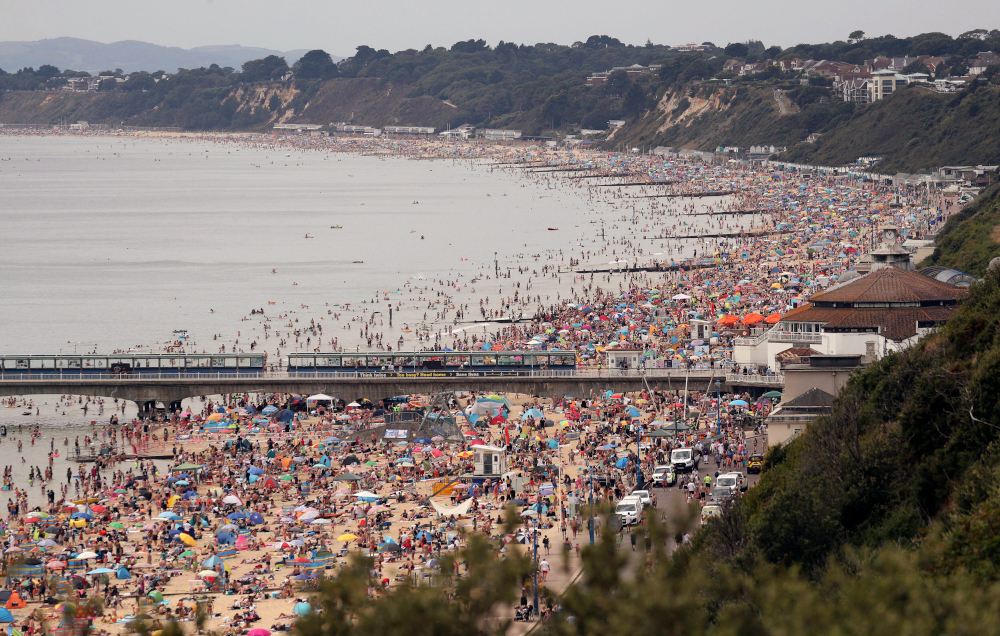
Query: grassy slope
[968, 241]
[908, 456]
[914, 128]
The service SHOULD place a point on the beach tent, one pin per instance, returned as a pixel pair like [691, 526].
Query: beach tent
[7, 617]
[15, 601]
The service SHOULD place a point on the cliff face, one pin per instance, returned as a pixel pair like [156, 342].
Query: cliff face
[242, 107]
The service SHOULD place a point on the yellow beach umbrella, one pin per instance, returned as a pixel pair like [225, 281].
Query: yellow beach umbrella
[347, 537]
[187, 539]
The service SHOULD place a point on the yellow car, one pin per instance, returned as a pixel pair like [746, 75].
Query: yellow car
[755, 464]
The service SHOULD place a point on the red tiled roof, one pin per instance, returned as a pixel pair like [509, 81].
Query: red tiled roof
[896, 324]
[890, 284]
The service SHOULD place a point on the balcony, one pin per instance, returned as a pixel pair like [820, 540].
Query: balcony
[745, 379]
[754, 339]
[794, 336]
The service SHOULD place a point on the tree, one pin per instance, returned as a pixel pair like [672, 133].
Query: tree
[959, 69]
[470, 46]
[617, 83]
[915, 67]
[635, 101]
[107, 84]
[47, 70]
[554, 109]
[269, 68]
[737, 49]
[601, 42]
[139, 81]
[773, 52]
[856, 36]
[315, 64]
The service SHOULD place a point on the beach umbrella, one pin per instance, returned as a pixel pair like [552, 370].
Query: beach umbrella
[303, 609]
[208, 574]
[169, 516]
[87, 555]
[772, 394]
[187, 539]
[259, 632]
[738, 403]
[211, 561]
[123, 573]
[101, 571]
[347, 537]
[56, 565]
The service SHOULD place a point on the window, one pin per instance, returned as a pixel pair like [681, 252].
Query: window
[354, 361]
[328, 361]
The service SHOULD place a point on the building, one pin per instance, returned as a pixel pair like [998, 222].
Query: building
[296, 128]
[366, 131]
[690, 46]
[462, 132]
[811, 385]
[408, 130]
[634, 71]
[884, 83]
[854, 88]
[496, 133]
[870, 313]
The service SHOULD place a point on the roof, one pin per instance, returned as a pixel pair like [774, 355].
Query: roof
[890, 285]
[812, 397]
[896, 323]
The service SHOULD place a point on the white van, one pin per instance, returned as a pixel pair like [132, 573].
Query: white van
[628, 510]
[685, 459]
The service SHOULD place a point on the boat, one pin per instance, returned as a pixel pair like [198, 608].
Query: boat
[336, 227]
[553, 228]
[357, 261]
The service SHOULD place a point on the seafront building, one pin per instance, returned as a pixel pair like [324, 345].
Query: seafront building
[884, 307]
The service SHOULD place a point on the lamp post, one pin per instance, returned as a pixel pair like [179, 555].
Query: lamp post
[590, 474]
[638, 456]
[535, 583]
[718, 410]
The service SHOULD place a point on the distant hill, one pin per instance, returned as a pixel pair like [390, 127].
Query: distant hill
[129, 55]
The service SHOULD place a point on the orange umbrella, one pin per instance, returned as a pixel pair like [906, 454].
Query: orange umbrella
[728, 320]
[773, 318]
[752, 318]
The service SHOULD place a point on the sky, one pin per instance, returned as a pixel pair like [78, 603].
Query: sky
[339, 27]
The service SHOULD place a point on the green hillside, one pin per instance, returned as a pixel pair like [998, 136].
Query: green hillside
[971, 238]
[914, 128]
[909, 457]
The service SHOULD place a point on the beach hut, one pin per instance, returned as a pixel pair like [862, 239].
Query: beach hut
[488, 462]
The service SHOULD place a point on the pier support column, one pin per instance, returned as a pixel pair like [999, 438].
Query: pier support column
[173, 408]
[147, 408]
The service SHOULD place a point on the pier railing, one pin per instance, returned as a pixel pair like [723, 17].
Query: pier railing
[593, 372]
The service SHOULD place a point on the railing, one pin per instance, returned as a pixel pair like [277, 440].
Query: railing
[355, 375]
[751, 341]
[775, 379]
[445, 374]
[794, 336]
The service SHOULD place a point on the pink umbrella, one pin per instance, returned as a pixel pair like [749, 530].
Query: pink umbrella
[477, 442]
[259, 632]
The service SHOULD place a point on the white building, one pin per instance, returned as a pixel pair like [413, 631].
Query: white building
[888, 309]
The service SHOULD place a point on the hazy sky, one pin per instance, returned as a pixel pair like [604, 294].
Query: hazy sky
[338, 27]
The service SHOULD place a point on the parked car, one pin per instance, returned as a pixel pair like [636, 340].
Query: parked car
[721, 494]
[643, 496]
[664, 475]
[628, 510]
[735, 480]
